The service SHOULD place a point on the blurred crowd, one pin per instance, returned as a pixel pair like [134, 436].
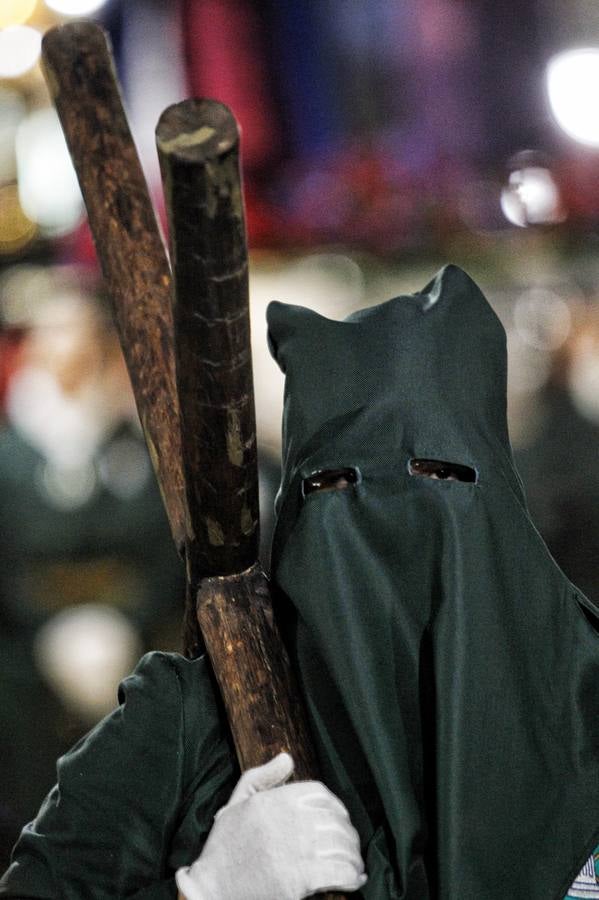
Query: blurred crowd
[89, 578]
[558, 458]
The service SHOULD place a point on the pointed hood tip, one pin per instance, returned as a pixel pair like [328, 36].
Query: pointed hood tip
[450, 288]
[448, 277]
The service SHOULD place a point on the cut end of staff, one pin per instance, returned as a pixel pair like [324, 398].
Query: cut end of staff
[197, 130]
[73, 37]
[83, 50]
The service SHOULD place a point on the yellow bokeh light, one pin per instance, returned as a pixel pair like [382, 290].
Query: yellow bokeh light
[15, 12]
[16, 229]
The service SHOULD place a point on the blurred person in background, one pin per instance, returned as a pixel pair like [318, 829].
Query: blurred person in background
[558, 461]
[88, 575]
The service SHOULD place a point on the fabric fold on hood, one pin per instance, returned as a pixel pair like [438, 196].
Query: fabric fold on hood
[449, 666]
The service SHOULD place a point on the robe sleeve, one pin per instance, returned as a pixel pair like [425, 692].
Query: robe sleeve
[135, 797]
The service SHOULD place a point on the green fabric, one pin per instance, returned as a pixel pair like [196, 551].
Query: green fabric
[451, 668]
[135, 797]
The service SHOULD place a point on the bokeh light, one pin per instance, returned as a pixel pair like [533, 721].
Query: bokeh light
[15, 12]
[75, 7]
[572, 78]
[20, 48]
[542, 318]
[583, 372]
[84, 652]
[16, 229]
[532, 198]
[24, 289]
[48, 186]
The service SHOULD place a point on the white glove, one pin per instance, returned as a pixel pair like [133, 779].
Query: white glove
[276, 841]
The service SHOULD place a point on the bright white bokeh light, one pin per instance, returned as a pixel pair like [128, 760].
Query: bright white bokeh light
[542, 318]
[75, 7]
[572, 78]
[20, 48]
[48, 188]
[531, 198]
[83, 652]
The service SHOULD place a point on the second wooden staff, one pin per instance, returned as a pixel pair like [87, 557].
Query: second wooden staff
[198, 146]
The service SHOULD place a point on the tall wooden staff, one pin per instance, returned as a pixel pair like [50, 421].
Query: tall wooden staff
[194, 394]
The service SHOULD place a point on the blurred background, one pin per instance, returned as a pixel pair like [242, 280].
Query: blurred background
[381, 139]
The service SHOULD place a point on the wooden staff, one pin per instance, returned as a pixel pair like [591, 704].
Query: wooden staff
[206, 441]
[80, 74]
[198, 147]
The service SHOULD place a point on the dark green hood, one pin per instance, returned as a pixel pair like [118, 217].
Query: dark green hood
[451, 669]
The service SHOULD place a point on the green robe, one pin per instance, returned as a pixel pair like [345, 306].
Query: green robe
[450, 668]
[135, 797]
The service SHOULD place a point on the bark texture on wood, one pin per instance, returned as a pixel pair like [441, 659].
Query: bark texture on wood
[253, 670]
[80, 74]
[198, 146]
[254, 674]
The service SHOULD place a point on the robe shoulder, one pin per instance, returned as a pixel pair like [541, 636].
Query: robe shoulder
[136, 796]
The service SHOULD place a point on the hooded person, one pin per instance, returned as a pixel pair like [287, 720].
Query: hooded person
[450, 668]
[448, 665]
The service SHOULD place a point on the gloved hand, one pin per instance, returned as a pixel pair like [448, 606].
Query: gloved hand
[276, 841]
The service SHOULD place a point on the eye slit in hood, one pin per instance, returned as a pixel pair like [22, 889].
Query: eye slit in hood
[330, 480]
[440, 470]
